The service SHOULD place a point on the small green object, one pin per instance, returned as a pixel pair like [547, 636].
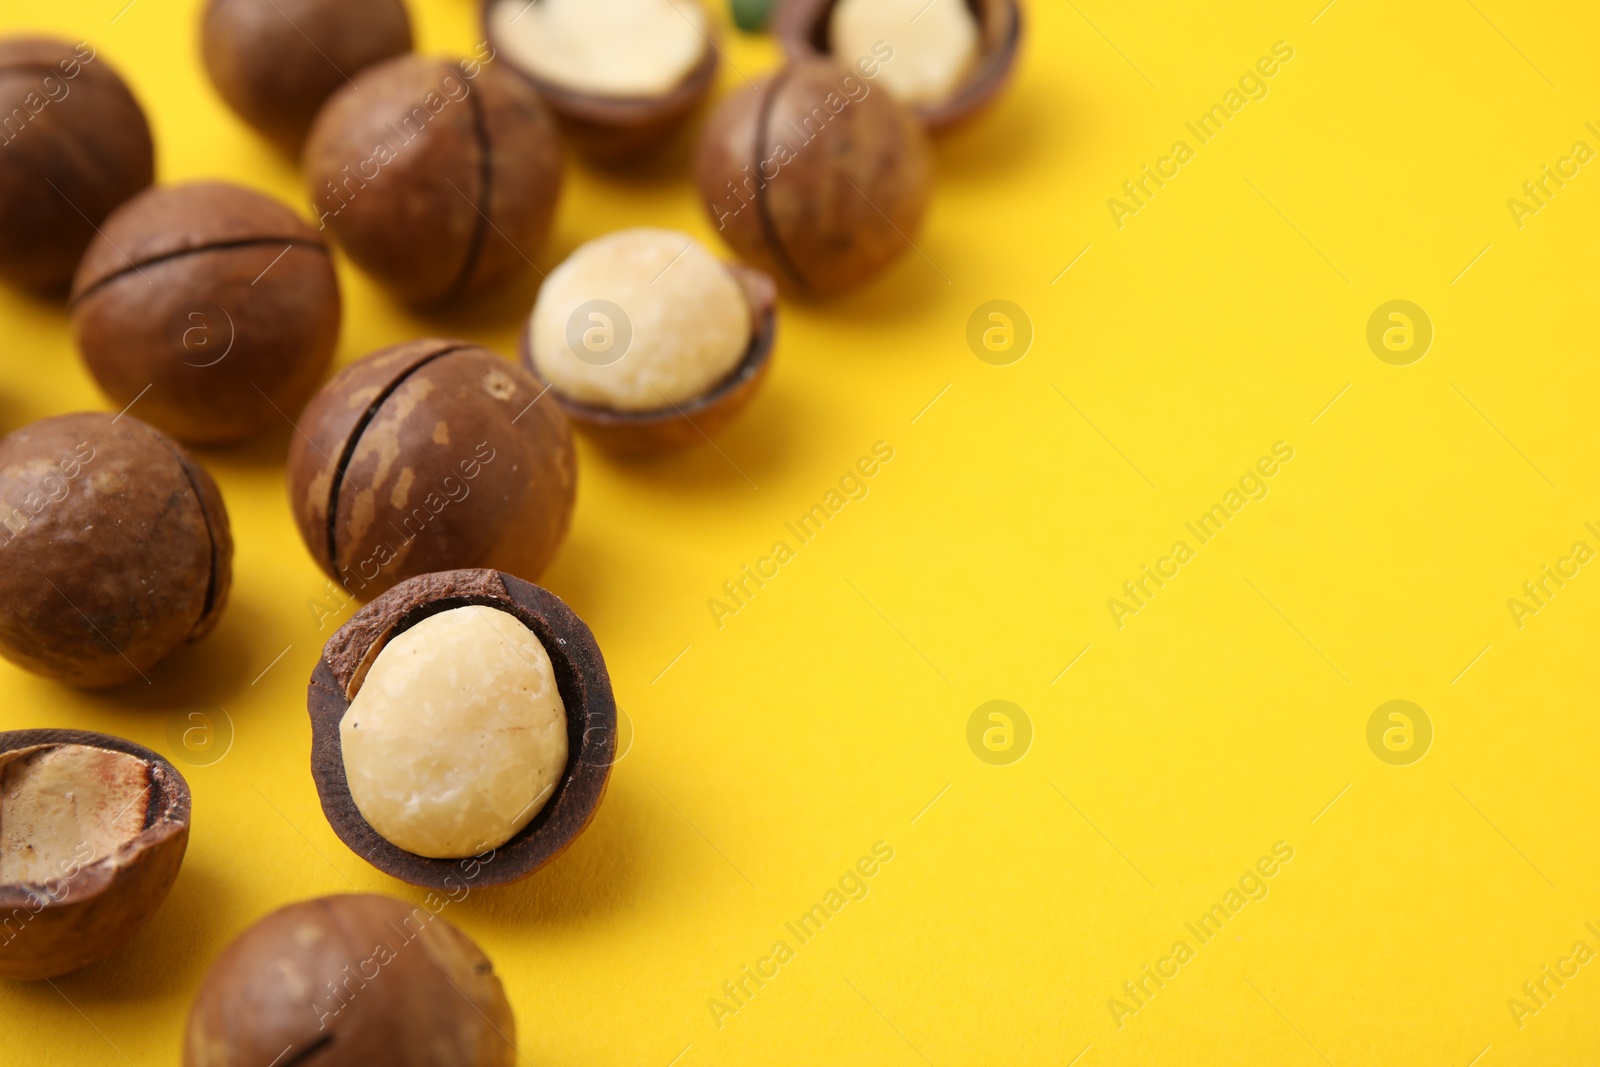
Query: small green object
[752, 15]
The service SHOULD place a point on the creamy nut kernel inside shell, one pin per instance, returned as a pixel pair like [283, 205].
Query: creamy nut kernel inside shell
[614, 48]
[935, 44]
[65, 806]
[688, 318]
[457, 736]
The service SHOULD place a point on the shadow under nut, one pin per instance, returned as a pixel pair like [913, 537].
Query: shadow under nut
[436, 183]
[431, 455]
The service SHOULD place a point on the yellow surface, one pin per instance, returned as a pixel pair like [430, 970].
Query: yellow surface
[1226, 715]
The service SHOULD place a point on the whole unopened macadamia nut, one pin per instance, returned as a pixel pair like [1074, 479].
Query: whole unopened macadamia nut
[213, 306]
[352, 981]
[677, 321]
[816, 176]
[73, 145]
[439, 178]
[934, 43]
[276, 61]
[114, 548]
[426, 456]
[92, 832]
[620, 74]
[457, 736]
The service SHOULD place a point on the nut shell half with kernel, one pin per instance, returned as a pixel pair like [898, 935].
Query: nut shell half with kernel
[431, 455]
[115, 548]
[352, 981]
[92, 832]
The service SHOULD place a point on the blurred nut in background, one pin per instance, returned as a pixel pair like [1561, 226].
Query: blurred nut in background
[647, 341]
[945, 59]
[92, 832]
[438, 178]
[75, 146]
[816, 175]
[621, 75]
[426, 456]
[114, 548]
[218, 301]
[276, 61]
[352, 981]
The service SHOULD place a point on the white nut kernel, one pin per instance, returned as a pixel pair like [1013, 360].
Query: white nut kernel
[934, 43]
[688, 319]
[615, 48]
[65, 806]
[458, 734]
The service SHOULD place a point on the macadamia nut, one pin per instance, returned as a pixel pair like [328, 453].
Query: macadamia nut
[457, 735]
[684, 320]
[67, 804]
[934, 43]
[618, 48]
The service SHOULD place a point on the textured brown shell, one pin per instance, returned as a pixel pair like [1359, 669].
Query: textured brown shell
[219, 301]
[581, 678]
[381, 474]
[134, 560]
[469, 192]
[610, 128]
[693, 421]
[803, 28]
[73, 160]
[108, 901]
[276, 61]
[352, 981]
[846, 195]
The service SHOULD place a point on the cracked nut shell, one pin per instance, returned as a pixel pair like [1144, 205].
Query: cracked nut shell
[438, 178]
[688, 422]
[825, 206]
[352, 981]
[114, 548]
[276, 61]
[803, 28]
[427, 456]
[220, 302]
[109, 822]
[581, 678]
[83, 133]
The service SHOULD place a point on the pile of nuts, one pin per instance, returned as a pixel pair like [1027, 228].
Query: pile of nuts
[464, 717]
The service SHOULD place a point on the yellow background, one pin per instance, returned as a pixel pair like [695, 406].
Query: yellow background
[1225, 716]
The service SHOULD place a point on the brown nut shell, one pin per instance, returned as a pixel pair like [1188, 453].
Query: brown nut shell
[803, 27]
[581, 678]
[114, 548]
[215, 307]
[351, 981]
[276, 61]
[693, 421]
[612, 129]
[75, 143]
[438, 178]
[93, 907]
[822, 203]
[431, 455]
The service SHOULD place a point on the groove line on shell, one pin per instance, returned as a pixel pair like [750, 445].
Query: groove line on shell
[184, 253]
